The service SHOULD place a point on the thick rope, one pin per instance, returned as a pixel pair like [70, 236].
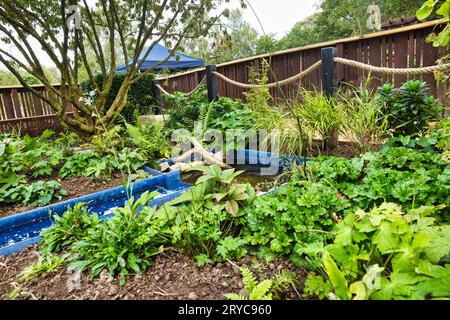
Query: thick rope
[270, 85]
[185, 94]
[399, 71]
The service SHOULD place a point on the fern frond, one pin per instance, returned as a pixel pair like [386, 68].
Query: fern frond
[248, 279]
[262, 291]
[136, 135]
[283, 280]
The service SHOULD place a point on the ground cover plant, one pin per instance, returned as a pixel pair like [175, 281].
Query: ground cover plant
[32, 167]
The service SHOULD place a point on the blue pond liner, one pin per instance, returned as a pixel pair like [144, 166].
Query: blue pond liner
[22, 230]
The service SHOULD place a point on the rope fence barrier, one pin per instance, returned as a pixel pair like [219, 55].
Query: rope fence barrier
[165, 92]
[315, 66]
[270, 85]
[393, 71]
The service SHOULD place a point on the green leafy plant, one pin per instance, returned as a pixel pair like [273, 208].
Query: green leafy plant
[69, 228]
[299, 213]
[122, 244]
[363, 119]
[203, 217]
[319, 116]
[266, 289]
[442, 38]
[151, 139]
[410, 108]
[387, 254]
[47, 263]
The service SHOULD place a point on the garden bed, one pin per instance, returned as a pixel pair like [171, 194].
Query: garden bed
[172, 276]
[75, 186]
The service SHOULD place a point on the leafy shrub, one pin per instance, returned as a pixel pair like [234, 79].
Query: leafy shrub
[72, 226]
[409, 108]
[37, 194]
[207, 215]
[77, 164]
[297, 214]
[151, 139]
[139, 99]
[396, 174]
[122, 244]
[91, 164]
[47, 263]
[386, 254]
[211, 115]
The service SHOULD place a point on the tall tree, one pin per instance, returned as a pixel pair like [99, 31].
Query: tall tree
[230, 38]
[65, 29]
[344, 18]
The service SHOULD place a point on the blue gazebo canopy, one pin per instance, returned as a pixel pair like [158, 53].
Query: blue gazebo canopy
[159, 53]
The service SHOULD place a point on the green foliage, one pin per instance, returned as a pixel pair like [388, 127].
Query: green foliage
[295, 215]
[231, 248]
[315, 286]
[318, 115]
[409, 109]
[363, 119]
[40, 193]
[265, 289]
[78, 163]
[122, 244]
[91, 164]
[339, 19]
[151, 139]
[258, 98]
[139, 100]
[202, 260]
[207, 216]
[402, 175]
[47, 263]
[443, 11]
[72, 226]
[388, 254]
[222, 114]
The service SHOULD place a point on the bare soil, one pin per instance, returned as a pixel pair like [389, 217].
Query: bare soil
[173, 276]
[75, 186]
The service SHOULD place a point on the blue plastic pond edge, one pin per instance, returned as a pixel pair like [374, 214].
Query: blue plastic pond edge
[169, 184]
[21, 225]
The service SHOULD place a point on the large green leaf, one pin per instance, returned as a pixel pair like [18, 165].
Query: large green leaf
[337, 278]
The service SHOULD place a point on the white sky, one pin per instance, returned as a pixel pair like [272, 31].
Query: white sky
[276, 16]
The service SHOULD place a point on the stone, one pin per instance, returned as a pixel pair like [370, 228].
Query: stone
[192, 296]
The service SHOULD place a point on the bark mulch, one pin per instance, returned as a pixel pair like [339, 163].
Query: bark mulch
[173, 276]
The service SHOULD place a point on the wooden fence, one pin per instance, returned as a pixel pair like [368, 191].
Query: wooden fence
[398, 48]
[404, 47]
[25, 112]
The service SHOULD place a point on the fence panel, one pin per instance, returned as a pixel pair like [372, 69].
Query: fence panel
[397, 48]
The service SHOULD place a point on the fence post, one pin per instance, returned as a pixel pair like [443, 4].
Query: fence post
[211, 83]
[329, 71]
[330, 84]
[157, 96]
